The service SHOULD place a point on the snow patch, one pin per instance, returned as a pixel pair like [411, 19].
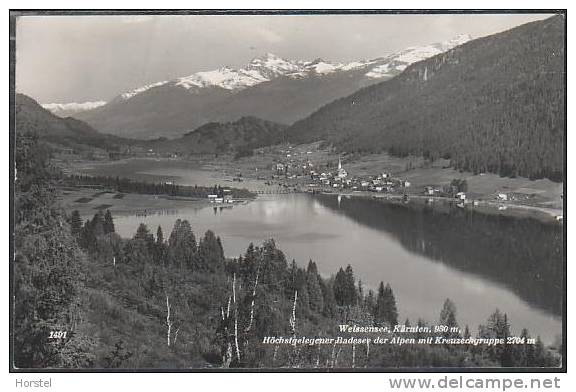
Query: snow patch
[140, 90]
[394, 64]
[72, 107]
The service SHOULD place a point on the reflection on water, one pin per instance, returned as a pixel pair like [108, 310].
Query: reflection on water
[156, 211]
[523, 254]
[481, 262]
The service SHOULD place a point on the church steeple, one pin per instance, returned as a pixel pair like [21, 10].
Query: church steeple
[341, 172]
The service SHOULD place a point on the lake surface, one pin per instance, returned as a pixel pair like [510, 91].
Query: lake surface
[426, 254]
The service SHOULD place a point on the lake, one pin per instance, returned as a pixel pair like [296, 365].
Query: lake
[427, 254]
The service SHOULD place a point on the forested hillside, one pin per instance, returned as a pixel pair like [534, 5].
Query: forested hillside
[240, 136]
[49, 270]
[67, 132]
[495, 104]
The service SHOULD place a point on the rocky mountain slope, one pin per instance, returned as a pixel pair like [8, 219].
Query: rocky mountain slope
[269, 87]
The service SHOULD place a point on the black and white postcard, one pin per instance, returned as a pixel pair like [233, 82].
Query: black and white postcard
[364, 191]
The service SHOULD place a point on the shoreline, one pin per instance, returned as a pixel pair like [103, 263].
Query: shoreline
[480, 205]
[483, 206]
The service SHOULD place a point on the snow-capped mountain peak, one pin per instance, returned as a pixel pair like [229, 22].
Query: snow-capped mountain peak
[68, 109]
[226, 78]
[395, 63]
[269, 66]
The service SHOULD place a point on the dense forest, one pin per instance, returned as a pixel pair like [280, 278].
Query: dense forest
[86, 298]
[495, 104]
[240, 136]
[126, 185]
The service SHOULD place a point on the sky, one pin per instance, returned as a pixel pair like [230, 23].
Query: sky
[89, 58]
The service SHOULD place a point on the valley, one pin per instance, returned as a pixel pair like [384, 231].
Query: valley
[537, 198]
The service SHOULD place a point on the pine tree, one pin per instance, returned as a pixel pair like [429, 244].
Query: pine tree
[499, 328]
[380, 308]
[340, 287]
[108, 224]
[315, 297]
[360, 299]
[312, 268]
[345, 288]
[448, 317]
[370, 302]
[291, 279]
[210, 254]
[541, 357]
[143, 234]
[97, 224]
[328, 298]
[351, 295]
[182, 245]
[160, 247]
[386, 311]
[391, 310]
[273, 267]
[159, 236]
[521, 352]
[248, 264]
[75, 224]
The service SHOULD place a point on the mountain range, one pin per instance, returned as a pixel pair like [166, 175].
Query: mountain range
[239, 137]
[269, 87]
